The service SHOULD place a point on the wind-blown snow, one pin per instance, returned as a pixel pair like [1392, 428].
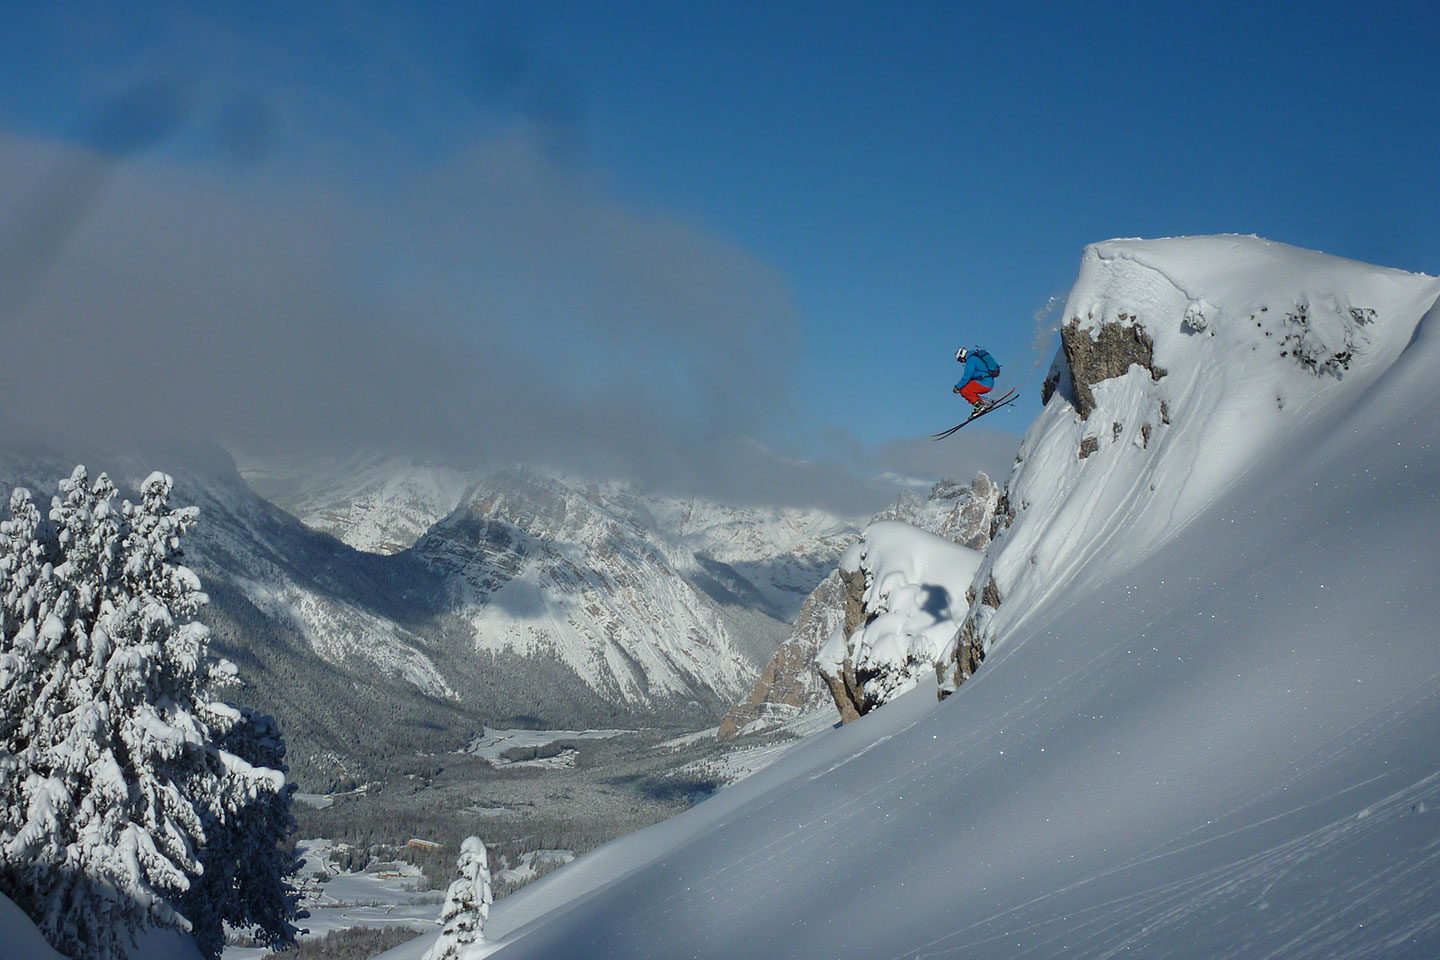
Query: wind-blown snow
[1210, 730]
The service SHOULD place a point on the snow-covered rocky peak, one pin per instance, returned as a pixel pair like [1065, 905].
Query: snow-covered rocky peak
[789, 689]
[958, 512]
[1182, 362]
[1202, 730]
[539, 567]
[384, 504]
[911, 596]
[650, 601]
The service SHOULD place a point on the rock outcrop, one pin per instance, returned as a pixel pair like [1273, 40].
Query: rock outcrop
[962, 658]
[789, 685]
[846, 686]
[905, 598]
[1090, 353]
[1097, 352]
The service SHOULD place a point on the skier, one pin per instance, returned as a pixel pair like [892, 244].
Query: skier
[979, 376]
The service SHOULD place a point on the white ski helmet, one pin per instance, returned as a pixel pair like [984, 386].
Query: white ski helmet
[961, 354]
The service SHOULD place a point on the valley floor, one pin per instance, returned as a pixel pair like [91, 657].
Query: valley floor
[535, 814]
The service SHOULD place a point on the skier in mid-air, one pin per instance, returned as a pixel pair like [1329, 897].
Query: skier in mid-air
[978, 378]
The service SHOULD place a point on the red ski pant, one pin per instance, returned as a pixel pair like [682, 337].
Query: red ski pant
[972, 391]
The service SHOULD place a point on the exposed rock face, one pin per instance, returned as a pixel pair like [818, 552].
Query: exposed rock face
[789, 684]
[963, 658]
[1110, 352]
[846, 687]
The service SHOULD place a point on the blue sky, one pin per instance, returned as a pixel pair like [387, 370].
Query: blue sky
[885, 181]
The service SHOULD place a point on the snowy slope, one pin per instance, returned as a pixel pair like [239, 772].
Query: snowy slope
[1251, 339]
[19, 937]
[1211, 735]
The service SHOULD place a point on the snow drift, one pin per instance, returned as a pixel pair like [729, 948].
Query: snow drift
[1206, 724]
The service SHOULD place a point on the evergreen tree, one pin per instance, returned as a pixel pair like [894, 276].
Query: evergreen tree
[467, 904]
[247, 869]
[120, 780]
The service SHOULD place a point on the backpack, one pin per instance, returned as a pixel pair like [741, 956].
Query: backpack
[990, 365]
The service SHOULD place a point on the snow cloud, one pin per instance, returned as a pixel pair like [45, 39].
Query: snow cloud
[502, 306]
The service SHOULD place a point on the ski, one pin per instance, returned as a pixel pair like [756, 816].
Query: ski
[1004, 401]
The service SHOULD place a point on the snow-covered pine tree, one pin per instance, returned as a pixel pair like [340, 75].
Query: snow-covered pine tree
[467, 904]
[118, 777]
[246, 858]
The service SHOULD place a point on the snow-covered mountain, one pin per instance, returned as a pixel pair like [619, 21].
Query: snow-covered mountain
[385, 504]
[645, 598]
[542, 568]
[1206, 719]
[343, 647]
[641, 602]
[375, 503]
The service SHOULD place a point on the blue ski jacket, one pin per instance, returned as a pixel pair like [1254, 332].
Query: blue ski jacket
[979, 365]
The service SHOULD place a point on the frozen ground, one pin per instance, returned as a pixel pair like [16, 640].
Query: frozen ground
[492, 746]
